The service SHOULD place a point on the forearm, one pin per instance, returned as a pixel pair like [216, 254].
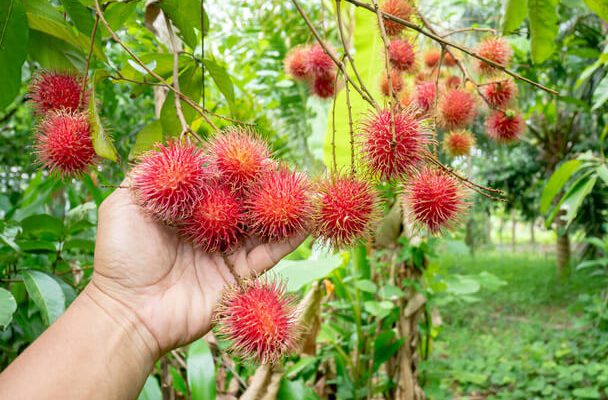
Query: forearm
[96, 350]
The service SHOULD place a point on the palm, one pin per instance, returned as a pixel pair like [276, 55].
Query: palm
[170, 285]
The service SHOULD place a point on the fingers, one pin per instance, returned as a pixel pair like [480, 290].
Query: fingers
[267, 255]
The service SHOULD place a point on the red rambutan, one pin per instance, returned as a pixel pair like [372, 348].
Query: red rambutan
[434, 199]
[319, 64]
[169, 180]
[392, 155]
[397, 8]
[260, 319]
[431, 57]
[53, 91]
[401, 54]
[345, 210]
[449, 60]
[457, 109]
[279, 206]
[296, 63]
[239, 156]
[495, 49]
[217, 220]
[396, 81]
[424, 96]
[63, 143]
[505, 127]
[501, 93]
[324, 86]
[458, 143]
[452, 82]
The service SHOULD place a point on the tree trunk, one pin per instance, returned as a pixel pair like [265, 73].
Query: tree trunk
[513, 229]
[532, 238]
[563, 248]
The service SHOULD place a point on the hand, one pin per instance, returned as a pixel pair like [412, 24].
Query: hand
[167, 284]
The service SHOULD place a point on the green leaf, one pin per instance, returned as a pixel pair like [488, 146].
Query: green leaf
[600, 7]
[80, 15]
[586, 393]
[601, 93]
[146, 138]
[515, 11]
[118, 13]
[543, 28]
[222, 80]
[191, 85]
[295, 390]
[179, 384]
[14, 36]
[46, 294]
[201, 371]
[186, 16]
[557, 182]
[81, 244]
[8, 305]
[302, 272]
[602, 172]
[385, 346]
[379, 309]
[389, 292]
[366, 285]
[102, 141]
[151, 390]
[42, 223]
[576, 195]
[37, 246]
[54, 54]
[462, 285]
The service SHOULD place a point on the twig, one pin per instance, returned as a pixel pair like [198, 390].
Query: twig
[88, 61]
[187, 99]
[445, 42]
[232, 269]
[436, 100]
[350, 130]
[469, 29]
[333, 125]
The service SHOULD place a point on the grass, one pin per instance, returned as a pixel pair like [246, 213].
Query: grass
[528, 339]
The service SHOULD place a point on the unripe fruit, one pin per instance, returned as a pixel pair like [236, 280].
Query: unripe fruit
[505, 127]
[431, 57]
[324, 86]
[500, 94]
[239, 156]
[168, 180]
[396, 81]
[54, 91]
[495, 49]
[279, 206]
[457, 109]
[319, 64]
[346, 210]
[401, 55]
[260, 320]
[217, 220]
[63, 143]
[296, 63]
[458, 143]
[434, 200]
[424, 96]
[397, 8]
[392, 155]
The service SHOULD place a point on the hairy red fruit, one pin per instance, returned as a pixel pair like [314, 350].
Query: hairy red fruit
[217, 220]
[260, 319]
[452, 82]
[505, 127]
[239, 156]
[53, 91]
[457, 109]
[296, 63]
[449, 60]
[168, 180]
[424, 96]
[397, 8]
[431, 57]
[401, 55]
[458, 143]
[319, 64]
[392, 156]
[63, 143]
[324, 86]
[500, 94]
[405, 98]
[279, 206]
[345, 210]
[495, 49]
[396, 81]
[435, 200]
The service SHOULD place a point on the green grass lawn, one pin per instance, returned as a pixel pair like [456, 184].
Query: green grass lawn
[529, 339]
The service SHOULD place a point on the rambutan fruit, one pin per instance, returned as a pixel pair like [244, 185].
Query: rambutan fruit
[397, 8]
[217, 221]
[452, 82]
[319, 63]
[401, 55]
[501, 93]
[260, 319]
[346, 210]
[53, 91]
[296, 63]
[495, 49]
[405, 98]
[279, 206]
[457, 109]
[424, 96]
[239, 156]
[392, 154]
[434, 199]
[169, 180]
[324, 86]
[396, 81]
[63, 143]
[431, 57]
[505, 126]
[448, 60]
[458, 143]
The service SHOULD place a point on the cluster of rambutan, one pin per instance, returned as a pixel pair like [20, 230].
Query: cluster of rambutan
[311, 64]
[63, 141]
